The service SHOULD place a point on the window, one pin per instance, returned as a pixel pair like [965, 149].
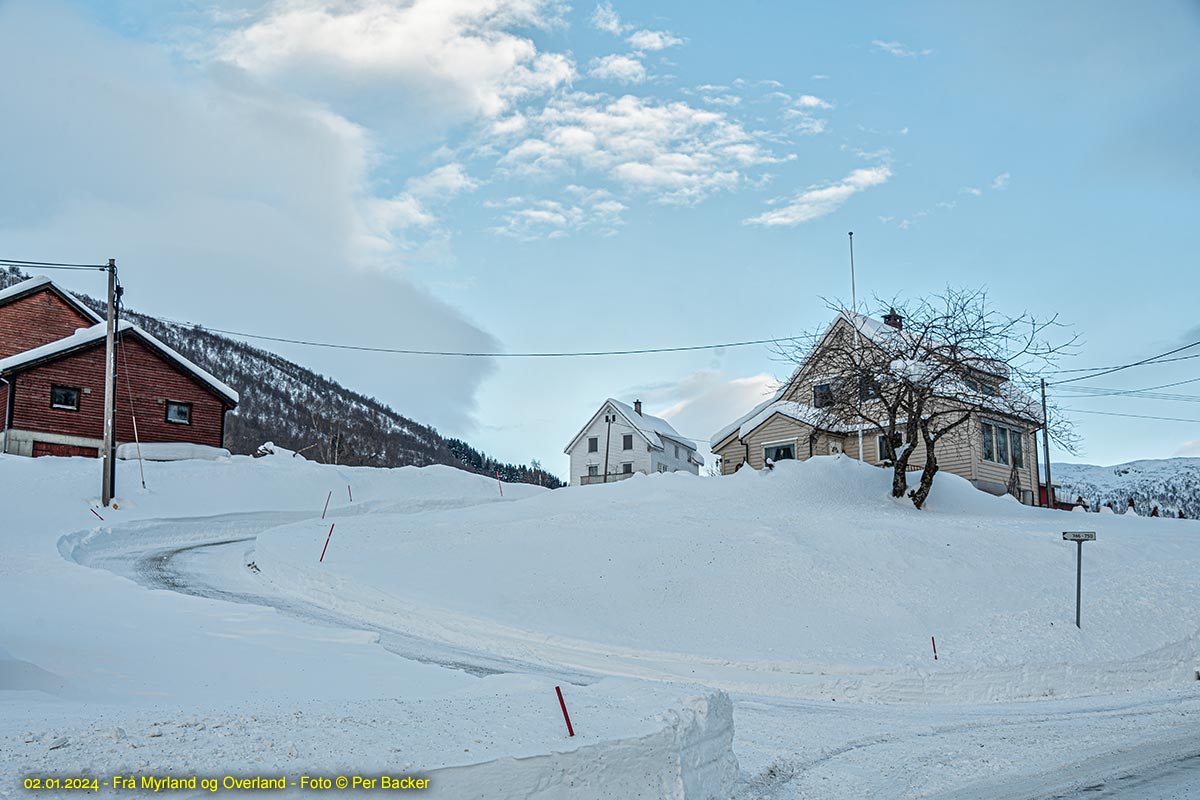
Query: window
[662, 467]
[179, 413]
[1003, 445]
[779, 452]
[822, 395]
[593, 470]
[677, 452]
[971, 384]
[593, 444]
[989, 449]
[627, 468]
[988, 389]
[627, 441]
[66, 397]
[867, 389]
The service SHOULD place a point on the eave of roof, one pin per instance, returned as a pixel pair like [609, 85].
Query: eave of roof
[87, 337]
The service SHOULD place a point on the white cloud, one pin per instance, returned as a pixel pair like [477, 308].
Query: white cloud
[443, 183]
[817, 201]
[899, 49]
[645, 41]
[453, 60]
[1191, 448]
[181, 172]
[625, 69]
[593, 209]
[671, 150]
[812, 101]
[605, 18]
[1000, 182]
[974, 191]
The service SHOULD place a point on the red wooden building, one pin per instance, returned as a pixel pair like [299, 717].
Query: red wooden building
[52, 380]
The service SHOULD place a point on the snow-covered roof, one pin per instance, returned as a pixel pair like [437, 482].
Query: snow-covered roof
[1010, 398]
[653, 429]
[87, 336]
[39, 281]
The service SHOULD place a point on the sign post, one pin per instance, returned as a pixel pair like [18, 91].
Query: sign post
[1078, 537]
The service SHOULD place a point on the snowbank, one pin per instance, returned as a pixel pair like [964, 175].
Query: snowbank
[501, 738]
[170, 451]
[809, 580]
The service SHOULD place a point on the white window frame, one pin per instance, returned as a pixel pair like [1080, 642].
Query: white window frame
[792, 443]
[1010, 432]
[596, 440]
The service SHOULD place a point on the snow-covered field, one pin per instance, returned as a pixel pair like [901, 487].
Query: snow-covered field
[194, 631]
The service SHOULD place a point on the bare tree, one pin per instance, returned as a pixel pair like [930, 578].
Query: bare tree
[934, 365]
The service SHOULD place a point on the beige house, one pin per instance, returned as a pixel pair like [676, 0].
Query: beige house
[795, 424]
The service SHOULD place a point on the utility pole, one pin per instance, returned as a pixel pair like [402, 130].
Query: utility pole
[608, 418]
[858, 376]
[1046, 448]
[110, 389]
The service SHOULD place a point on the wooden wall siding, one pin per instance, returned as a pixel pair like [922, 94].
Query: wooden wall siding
[152, 377]
[37, 319]
[3, 406]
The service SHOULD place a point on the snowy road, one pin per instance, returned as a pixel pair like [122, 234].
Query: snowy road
[210, 557]
[788, 749]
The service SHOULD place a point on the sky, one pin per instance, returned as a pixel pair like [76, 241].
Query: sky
[528, 176]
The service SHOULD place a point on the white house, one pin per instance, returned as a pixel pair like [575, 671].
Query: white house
[620, 441]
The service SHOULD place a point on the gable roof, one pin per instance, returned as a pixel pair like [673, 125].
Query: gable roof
[86, 337]
[37, 284]
[875, 331]
[651, 428]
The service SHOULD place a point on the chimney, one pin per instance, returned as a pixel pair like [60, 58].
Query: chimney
[893, 319]
[637, 406]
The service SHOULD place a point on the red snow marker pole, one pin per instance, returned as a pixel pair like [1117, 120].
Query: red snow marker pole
[97, 515]
[327, 499]
[327, 538]
[934, 647]
[498, 483]
[350, 493]
[563, 706]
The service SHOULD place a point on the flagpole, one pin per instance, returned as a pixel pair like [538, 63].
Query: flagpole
[858, 378]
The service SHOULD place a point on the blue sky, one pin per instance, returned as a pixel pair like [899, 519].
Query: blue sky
[522, 175]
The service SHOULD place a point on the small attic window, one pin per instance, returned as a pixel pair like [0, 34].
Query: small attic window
[822, 395]
[179, 413]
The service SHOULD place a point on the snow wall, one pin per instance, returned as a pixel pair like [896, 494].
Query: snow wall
[690, 758]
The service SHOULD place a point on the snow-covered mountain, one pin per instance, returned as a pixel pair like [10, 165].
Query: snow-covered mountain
[1172, 484]
[301, 410]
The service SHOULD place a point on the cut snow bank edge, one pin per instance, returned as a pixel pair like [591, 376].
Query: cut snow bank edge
[690, 758]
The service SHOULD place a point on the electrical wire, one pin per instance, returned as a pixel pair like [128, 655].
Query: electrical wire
[468, 354]
[53, 265]
[1131, 416]
[1110, 370]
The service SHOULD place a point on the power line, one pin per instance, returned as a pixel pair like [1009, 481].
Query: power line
[468, 354]
[1110, 370]
[1148, 392]
[53, 264]
[1132, 416]
[1095, 369]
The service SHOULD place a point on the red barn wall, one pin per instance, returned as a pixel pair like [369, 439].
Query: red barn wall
[37, 319]
[151, 377]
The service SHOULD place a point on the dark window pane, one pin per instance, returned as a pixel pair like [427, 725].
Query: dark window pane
[822, 395]
[180, 413]
[64, 397]
[1018, 449]
[593, 444]
[989, 453]
[627, 441]
[1002, 445]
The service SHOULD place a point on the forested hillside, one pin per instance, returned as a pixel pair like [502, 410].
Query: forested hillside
[296, 408]
[1171, 484]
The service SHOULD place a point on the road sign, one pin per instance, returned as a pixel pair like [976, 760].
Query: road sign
[1078, 537]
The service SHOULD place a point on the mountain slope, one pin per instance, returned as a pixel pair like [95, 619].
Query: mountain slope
[298, 409]
[1172, 484]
